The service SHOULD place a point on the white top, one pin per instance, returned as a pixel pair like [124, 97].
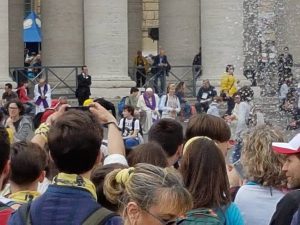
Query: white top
[257, 203]
[168, 104]
[115, 158]
[142, 105]
[128, 126]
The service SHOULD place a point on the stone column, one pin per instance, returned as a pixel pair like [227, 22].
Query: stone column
[62, 44]
[4, 43]
[179, 30]
[106, 46]
[62, 28]
[222, 38]
[16, 43]
[135, 20]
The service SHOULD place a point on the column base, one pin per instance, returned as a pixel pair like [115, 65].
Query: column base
[111, 87]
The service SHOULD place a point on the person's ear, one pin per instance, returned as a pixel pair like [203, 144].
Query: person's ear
[179, 151]
[42, 176]
[133, 212]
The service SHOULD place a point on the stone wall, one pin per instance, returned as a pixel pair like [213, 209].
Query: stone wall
[150, 20]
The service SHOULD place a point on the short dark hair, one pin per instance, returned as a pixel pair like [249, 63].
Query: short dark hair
[9, 85]
[228, 67]
[129, 108]
[168, 133]
[27, 161]
[19, 105]
[4, 148]
[134, 89]
[74, 141]
[83, 67]
[151, 153]
[98, 176]
[208, 125]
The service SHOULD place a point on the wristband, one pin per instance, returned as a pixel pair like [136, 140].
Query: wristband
[111, 122]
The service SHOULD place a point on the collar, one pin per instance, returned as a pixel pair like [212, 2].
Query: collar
[24, 196]
[74, 180]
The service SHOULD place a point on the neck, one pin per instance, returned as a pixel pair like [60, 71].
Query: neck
[172, 160]
[30, 187]
[129, 117]
[86, 175]
[15, 118]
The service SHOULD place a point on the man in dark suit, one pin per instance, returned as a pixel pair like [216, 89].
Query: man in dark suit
[84, 82]
[161, 68]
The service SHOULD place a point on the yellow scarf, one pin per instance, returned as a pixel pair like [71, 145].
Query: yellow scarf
[74, 180]
[24, 196]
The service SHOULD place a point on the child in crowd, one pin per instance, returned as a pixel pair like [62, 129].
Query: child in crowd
[130, 128]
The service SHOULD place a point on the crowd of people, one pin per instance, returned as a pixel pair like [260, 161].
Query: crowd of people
[65, 173]
[57, 167]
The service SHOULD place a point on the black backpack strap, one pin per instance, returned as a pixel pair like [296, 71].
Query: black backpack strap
[24, 212]
[99, 217]
[132, 124]
[123, 127]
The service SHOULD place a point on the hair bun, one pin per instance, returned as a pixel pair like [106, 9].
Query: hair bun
[124, 175]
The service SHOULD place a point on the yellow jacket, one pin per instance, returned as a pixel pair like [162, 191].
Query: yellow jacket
[145, 62]
[228, 84]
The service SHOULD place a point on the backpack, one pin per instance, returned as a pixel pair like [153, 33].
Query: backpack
[200, 217]
[98, 217]
[5, 212]
[121, 105]
[132, 125]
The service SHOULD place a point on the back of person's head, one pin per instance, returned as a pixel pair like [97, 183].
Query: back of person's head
[168, 133]
[98, 176]
[134, 89]
[180, 86]
[4, 148]
[246, 93]
[204, 173]
[146, 186]
[74, 141]
[207, 125]
[261, 164]
[217, 99]
[27, 161]
[151, 153]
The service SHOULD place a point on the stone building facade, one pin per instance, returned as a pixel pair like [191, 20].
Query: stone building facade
[106, 34]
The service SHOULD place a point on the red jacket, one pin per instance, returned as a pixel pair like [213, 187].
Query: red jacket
[22, 92]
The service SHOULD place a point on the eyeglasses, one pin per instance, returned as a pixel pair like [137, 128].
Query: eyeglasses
[162, 221]
[12, 107]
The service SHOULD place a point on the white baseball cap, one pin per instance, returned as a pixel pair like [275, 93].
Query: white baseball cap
[288, 148]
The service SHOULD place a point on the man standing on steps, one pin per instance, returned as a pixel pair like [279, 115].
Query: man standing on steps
[84, 82]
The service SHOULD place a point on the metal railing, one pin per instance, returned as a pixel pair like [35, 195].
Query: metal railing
[187, 74]
[60, 77]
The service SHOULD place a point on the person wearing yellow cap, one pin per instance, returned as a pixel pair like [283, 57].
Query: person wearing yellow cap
[88, 101]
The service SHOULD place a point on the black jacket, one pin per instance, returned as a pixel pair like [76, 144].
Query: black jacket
[83, 86]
